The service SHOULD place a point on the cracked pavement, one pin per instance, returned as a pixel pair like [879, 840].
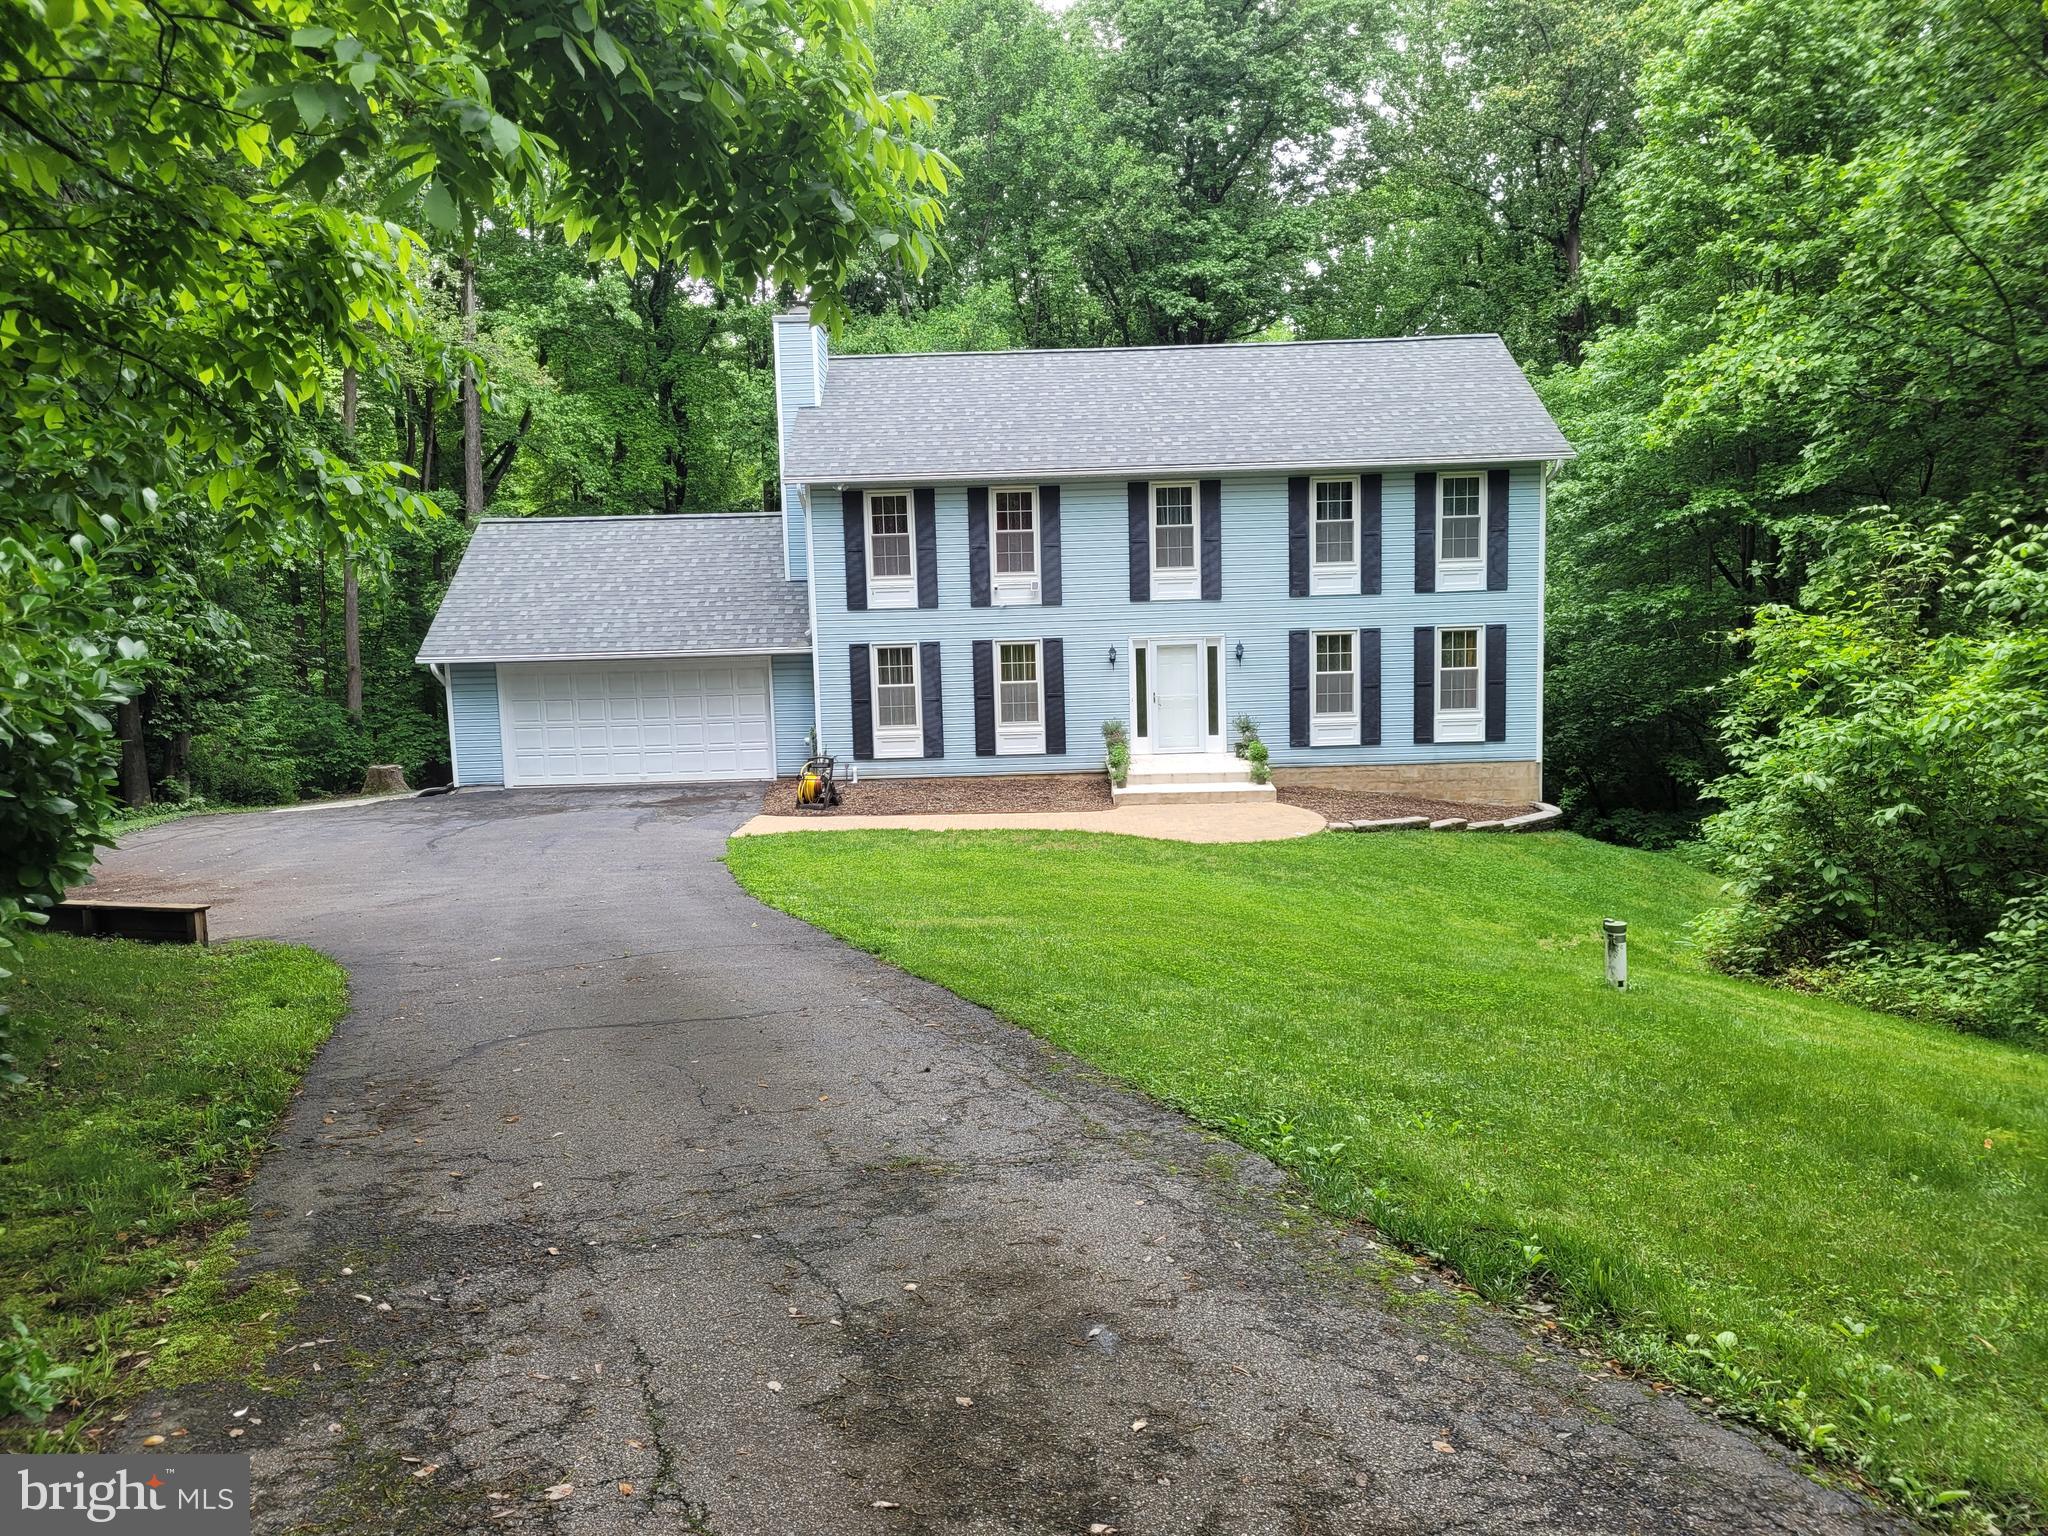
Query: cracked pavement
[734, 1229]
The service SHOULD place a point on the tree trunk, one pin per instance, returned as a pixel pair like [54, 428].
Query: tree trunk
[472, 408]
[134, 763]
[351, 613]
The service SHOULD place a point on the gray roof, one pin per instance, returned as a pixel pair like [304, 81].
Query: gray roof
[559, 588]
[958, 416]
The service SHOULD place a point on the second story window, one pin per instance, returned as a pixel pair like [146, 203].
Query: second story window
[1460, 533]
[1174, 573]
[892, 558]
[1335, 564]
[1016, 547]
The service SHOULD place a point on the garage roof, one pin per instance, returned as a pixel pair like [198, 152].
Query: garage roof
[1139, 411]
[567, 588]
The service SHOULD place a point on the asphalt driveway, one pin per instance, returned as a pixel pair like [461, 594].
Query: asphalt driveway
[680, 1202]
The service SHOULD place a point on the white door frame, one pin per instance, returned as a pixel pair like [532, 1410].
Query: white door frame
[1205, 739]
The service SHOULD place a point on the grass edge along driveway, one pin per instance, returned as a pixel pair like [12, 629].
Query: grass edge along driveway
[152, 1076]
[1829, 1221]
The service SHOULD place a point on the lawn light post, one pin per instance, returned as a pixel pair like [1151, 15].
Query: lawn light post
[1617, 951]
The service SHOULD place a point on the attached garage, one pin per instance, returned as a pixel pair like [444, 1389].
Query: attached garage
[636, 722]
[624, 650]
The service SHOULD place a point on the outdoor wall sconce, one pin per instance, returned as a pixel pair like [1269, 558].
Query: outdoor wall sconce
[1240, 653]
[1112, 655]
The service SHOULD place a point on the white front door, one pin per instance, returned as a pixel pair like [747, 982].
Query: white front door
[1177, 698]
[624, 722]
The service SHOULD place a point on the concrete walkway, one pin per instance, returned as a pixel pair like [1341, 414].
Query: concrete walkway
[1174, 823]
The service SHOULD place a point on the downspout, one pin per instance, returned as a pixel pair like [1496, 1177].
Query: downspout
[434, 668]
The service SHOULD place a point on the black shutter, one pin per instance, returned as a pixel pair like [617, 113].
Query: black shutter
[1425, 684]
[929, 684]
[1496, 530]
[1049, 545]
[1053, 657]
[1297, 687]
[977, 546]
[1496, 682]
[859, 689]
[1425, 534]
[1297, 535]
[927, 547]
[854, 509]
[1369, 536]
[1212, 541]
[984, 698]
[1139, 496]
[1368, 687]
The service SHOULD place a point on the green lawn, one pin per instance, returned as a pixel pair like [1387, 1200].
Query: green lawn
[1846, 1213]
[151, 1076]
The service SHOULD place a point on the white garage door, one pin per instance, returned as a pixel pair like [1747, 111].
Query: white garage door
[636, 721]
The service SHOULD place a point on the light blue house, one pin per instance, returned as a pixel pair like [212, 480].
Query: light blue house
[981, 557]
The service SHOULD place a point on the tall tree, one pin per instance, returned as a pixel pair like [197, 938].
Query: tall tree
[1482, 173]
[175, 292]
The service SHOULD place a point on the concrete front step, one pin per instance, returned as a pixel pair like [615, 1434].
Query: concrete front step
[1189, 768]
[1210, 792]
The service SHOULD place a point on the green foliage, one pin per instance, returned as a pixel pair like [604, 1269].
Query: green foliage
[31, 1383]
[1830, 325]
[1255, 754]
[1134, 171]
[189, 272]
[1117, 743]
[57, 685]
[153, 1077]
[1887, 808]
[1418, 1026]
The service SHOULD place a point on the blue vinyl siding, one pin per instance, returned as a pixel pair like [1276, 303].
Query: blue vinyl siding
[1255, 611]
[795, 712]
[478, 744]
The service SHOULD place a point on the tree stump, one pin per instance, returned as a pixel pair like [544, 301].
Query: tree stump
[385, 779]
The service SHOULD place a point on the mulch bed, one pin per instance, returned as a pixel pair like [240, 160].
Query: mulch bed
[940, 797]
[1358, 805]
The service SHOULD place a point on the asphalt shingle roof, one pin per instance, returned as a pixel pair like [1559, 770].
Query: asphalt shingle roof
[548, 588]
[963, 416]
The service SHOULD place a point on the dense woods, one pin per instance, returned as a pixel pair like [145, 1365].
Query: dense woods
[1777, 267]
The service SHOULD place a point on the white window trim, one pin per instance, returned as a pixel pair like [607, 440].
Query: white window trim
[1016, 591]
[1333, 577]
[1020, 740]
[1332, 730]
[1460, 575]
[1176, 584]
[896, 740]
[1460, 725]
[891, 591]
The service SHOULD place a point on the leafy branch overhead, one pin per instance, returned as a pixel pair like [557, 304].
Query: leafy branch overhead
[210, 216]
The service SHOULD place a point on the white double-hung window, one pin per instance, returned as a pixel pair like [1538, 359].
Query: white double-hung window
[1175, 572]
[1020, 698]
[1333, 715]
[892, 552]
[1014, 545]
[1459, 686]
[1333, 564]
[1460, 533]
[899, 722]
